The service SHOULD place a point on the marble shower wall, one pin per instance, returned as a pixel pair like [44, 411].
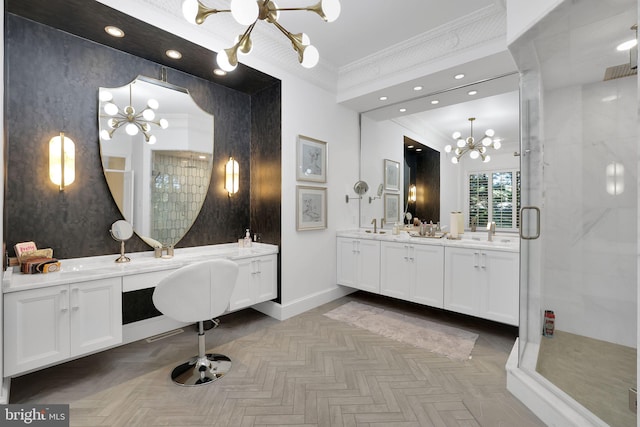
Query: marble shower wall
[590, 236]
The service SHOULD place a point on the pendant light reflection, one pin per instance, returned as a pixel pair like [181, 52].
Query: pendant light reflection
[62, 161]
[615, 178]
[232, 176]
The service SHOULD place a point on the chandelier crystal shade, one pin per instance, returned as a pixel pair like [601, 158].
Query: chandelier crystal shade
[249, 12]
[127, 118]
[476, 149]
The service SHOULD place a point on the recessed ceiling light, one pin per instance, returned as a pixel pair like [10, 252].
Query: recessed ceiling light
[402, 110]
[435, 101]
[418, 149]
[627, 45]
[219, 72]
[173, 54]
[409, 146]
[114, 31]
[459, 76]
[383, 98]
[472, 92]
[417, 88]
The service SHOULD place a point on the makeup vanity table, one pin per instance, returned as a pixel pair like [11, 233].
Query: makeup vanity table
[55, 317]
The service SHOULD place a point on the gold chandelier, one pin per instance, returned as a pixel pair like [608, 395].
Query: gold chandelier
[469, 145]
[249, 12]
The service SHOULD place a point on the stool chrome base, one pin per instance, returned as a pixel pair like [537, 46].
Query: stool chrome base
[201, 370]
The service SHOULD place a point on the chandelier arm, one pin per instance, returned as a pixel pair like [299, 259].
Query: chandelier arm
[244, 35]
[299, 47]
[204, 12]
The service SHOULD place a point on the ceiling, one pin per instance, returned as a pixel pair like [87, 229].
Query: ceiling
[364, 29]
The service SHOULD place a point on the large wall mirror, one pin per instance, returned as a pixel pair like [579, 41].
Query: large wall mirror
[441, 187]
[156, 146]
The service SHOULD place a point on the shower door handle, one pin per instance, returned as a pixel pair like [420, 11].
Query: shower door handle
[536, 210]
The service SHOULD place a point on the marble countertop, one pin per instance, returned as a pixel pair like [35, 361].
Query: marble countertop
[509, 242]
[75, 270]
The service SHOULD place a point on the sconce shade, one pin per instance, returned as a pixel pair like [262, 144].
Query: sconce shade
[232, 176]
[62, 161]
[412, 193]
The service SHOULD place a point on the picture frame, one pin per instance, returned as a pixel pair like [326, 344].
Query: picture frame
[391, 208]
[311, 159]
[391, 175]
[311, 208]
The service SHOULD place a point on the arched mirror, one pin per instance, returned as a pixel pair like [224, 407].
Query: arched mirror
[156, 146]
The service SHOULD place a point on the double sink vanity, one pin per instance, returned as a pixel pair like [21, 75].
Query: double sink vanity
[55, 317]
[471, 275]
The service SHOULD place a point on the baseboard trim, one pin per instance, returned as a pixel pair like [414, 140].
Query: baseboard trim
[4, 391]
[554, 407]
[284, 311]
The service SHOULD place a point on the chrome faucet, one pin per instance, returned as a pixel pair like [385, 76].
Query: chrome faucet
[491, 228]
[375, 225]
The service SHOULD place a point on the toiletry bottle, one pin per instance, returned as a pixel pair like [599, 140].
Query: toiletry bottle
[247, 239]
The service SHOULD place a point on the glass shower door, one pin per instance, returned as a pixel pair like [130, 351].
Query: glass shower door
[579, 168]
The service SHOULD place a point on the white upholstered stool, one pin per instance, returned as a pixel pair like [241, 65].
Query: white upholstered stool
[196, 293]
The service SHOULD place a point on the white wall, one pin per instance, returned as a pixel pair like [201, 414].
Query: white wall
[309, 257]
[522, 14]
[385, 140]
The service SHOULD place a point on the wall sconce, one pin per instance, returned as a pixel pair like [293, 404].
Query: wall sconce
[412, 193]
[615, 178]
[232, 177]
[62, 161]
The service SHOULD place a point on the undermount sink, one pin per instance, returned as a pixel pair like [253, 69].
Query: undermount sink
[375, 232]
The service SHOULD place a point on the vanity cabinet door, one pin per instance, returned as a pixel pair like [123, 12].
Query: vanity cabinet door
[428, 285]
[397, 269]
[257, 281]
[358, 264]
[412, 272]
[502, 284]
[36, 328]
[461, 280]
[96, 315]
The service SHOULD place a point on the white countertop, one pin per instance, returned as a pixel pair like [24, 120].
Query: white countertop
[74, 270]
[509, 242]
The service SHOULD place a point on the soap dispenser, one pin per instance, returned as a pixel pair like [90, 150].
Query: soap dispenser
[247, 239]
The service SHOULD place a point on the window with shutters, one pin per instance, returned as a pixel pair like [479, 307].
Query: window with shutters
[494, 196]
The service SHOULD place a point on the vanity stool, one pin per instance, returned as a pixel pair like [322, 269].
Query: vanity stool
[196, 293]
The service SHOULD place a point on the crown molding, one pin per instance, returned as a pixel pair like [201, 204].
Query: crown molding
[470, 31]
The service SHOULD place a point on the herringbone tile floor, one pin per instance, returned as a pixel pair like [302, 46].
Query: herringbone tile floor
[309, 370]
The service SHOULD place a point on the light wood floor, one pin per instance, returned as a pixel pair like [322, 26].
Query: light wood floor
[597, 374]
[309, 370]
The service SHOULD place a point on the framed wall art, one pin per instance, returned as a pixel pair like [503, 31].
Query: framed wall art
[311, 207]
[311, 162]
[391, 175]
[391, 208]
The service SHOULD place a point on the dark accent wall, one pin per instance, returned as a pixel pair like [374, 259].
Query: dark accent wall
[422, 168]
[52, 82]
[51, 85]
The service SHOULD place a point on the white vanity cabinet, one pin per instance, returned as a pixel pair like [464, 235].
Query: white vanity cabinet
[358, 263]
[50, 324]
[482, 283]
[412, 272]
[257, 281]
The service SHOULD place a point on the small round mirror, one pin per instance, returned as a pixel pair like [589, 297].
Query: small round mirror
[121, 230]
[361, 188]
